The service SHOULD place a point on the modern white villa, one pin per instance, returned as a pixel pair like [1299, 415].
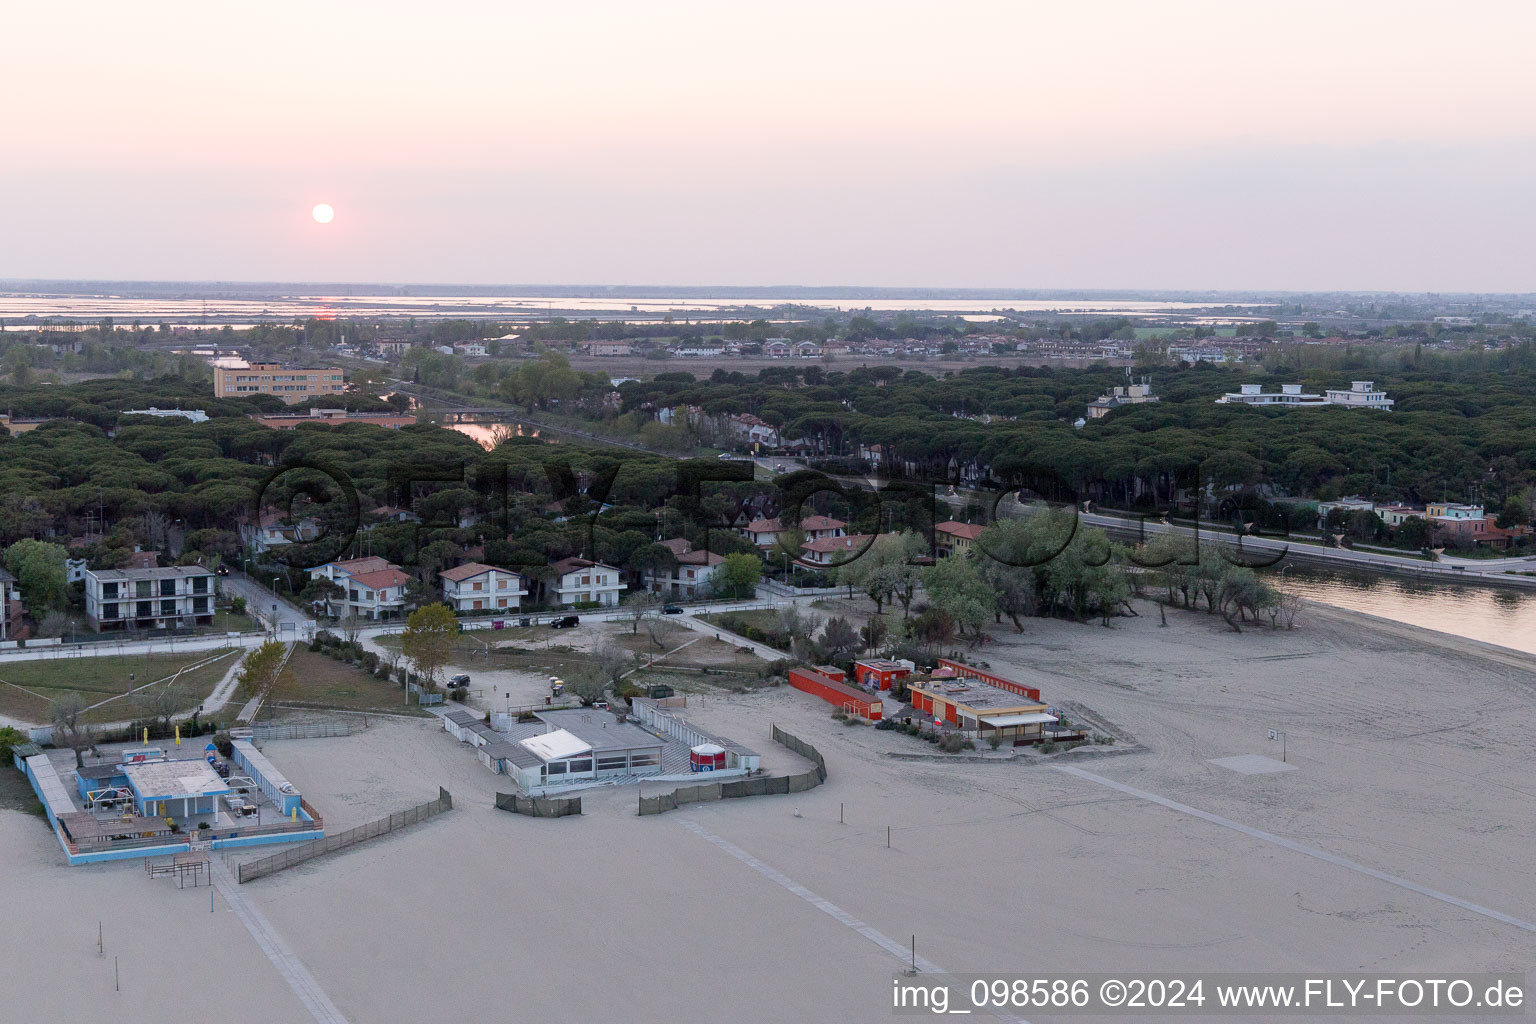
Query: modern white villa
[1362, 394]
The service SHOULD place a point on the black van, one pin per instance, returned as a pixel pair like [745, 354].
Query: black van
[565, 623]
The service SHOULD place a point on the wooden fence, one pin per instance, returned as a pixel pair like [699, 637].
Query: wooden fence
[351, 837]
[733, 788]
[539, 806]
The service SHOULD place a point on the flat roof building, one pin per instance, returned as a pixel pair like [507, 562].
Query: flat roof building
[291, 384]
[175, 595]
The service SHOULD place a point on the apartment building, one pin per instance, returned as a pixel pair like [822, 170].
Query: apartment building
[176, 595]
[288, 383]
[477, 587]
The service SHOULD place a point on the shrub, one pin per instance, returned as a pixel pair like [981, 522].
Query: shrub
[994, 741]
[1048, 747]
[886, 724]
[237, 606]
[370, 662]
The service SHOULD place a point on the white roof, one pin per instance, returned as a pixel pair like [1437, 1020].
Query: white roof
[552, 746]
[709, 748]
[174, 779]
[1027, 718]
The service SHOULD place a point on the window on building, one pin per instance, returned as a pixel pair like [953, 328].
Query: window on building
[144, 609]
[584, 765]
[141, 588]
[167, 607]
[556, 768]
[200, 585]
[168, 587]
[109, 611]
[109, 590]
[612, 763]
[645, 760]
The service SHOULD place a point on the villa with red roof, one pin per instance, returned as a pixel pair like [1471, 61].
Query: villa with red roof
[373, 587]
[955, 538]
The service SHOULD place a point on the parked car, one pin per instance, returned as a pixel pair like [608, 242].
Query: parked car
[458, 681]
[566, 622]
[672, 609]
[600, 705]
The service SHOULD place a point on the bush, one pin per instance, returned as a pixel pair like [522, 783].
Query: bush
[994, 741]
[886, 724]
[1048, 747]
[238, 606]
[370, 662]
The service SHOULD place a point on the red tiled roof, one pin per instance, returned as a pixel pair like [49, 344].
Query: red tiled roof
[381, 578]
[467, 571]
[970, 531]
[821, 523]
[372, 563]
[764, 526]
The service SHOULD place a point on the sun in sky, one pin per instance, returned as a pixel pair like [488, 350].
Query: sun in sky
[323, 213]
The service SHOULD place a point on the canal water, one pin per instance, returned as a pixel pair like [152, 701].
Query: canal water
[1494, 615]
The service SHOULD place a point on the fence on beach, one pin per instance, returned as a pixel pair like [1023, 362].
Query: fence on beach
[762, 786]
[539, 806]
[351, 837]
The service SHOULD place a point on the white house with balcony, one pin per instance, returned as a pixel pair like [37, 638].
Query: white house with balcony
[176, 595]
[477, 587]
[580, 581]
[372, 588]
[691, 575]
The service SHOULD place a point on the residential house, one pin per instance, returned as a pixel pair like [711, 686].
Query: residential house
[822, 527]
[1130, 394]
[955, 538]
[763, 532]
[609, 348]
[581, 581]
[832, 550]
[477, 587]
[807, 349]
[1346, 506]
[177, 595]
[277, 530]
[372, 588]
[471, 349]
[778, 348]
[691, 576]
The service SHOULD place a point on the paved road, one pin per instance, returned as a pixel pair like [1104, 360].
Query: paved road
[292, 623]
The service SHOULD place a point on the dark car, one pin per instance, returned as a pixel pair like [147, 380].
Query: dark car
[223, 570]
[565, 623]
[672, 609]
[458, 681]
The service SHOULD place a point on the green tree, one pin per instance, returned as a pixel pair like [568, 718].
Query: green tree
[428, 640]
[738, 574]
[39, 570]
[262, 671]
[956, 588]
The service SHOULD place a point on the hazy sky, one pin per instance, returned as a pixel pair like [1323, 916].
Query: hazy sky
[1169, 144]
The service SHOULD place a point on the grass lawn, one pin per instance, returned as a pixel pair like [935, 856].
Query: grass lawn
[28, 688]
[318, 681]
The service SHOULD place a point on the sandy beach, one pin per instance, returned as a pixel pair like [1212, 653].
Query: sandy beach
[1410, 756]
